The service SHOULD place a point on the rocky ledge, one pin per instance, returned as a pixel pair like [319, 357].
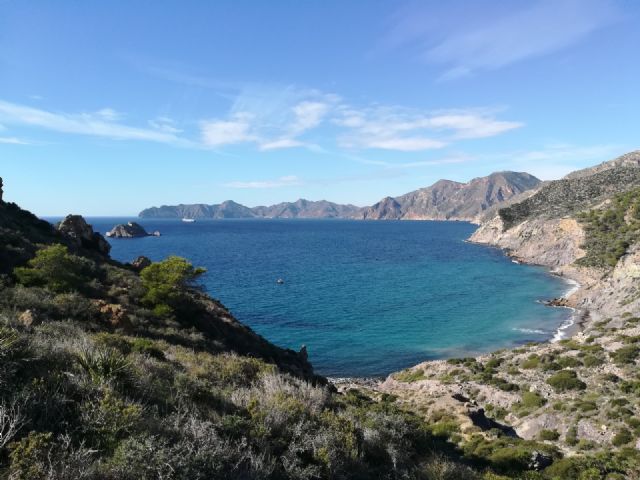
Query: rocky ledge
[130, 230]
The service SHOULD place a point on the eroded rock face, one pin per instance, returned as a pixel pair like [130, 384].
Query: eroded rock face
[80, 232]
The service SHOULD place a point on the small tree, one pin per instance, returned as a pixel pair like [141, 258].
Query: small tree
[166, 283]
[55, 268]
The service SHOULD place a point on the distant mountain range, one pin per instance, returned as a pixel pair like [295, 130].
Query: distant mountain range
[444, 200]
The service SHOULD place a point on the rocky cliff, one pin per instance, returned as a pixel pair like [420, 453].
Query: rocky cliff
[550, 228]
[448, 200]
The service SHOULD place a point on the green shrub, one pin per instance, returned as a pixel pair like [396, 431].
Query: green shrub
[29, 456]
[567, 361]
[531, 362]
[621, 438]
[625, 355]
[592, 361]
[566, 380]
[166, 282]
[532, 400]
[549, 435]
[409, 375]
[571, 436]
[103, 365]
[55, 268]
[610, 231]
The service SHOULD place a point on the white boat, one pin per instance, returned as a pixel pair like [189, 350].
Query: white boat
[189, 220]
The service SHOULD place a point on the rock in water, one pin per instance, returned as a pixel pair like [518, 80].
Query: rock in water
[129, 230]
[80, 232]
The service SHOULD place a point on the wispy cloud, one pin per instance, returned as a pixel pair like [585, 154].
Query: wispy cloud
[486, 37]
[13, 141]
[276, 118]
[101, 124]
[403, 129]
[287, 181]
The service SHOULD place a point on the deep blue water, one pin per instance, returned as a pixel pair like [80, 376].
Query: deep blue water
[367, 298]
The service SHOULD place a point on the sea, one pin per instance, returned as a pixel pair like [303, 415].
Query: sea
[366, 298]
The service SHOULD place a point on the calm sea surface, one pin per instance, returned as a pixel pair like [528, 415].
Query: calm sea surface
[366, 298]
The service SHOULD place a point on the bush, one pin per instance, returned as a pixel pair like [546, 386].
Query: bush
[532, 400]
[56, 269]
[409, 376]
[166, 282]
[549, 435]
[103, 365]
[566, 380]
[621, 438]
[625, 355]
[592, 361]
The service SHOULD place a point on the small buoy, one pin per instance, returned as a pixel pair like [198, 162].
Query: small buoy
[279, 281]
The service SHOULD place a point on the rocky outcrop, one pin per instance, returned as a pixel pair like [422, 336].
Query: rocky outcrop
[140, 263]
[130, 230]
[448, 200]
[388, 208]
[75, 228]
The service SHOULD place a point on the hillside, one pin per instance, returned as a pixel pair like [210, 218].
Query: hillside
[129, 371]
[579, 394]
[444, 200]
[448, 200]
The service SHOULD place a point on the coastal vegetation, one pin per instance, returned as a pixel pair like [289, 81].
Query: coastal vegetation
[610, 230]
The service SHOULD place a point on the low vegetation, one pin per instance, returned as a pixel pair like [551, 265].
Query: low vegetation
[610, 230]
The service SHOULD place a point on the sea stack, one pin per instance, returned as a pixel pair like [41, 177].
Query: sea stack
[130, 230]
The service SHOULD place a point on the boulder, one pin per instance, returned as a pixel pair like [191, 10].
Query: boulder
[141, 263]
[539, 461]
[129, 230]
[81, 233]
[114, 314]
[29, 318]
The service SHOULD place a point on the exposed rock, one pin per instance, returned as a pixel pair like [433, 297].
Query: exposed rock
[1, 190]
[448, 200]
[130, 230]
[29, 318]
[539, 461]
[141, 263]
[81, 233]
[303, 353]
[115, 314]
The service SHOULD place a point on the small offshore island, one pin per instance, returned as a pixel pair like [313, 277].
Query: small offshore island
[132, 359]
[130, 230]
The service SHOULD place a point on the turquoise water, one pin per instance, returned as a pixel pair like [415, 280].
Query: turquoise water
[366, 298]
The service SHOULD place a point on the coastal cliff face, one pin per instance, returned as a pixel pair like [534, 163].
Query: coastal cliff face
[548, 229]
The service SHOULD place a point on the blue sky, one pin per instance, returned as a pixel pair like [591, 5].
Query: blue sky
[109, 107]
